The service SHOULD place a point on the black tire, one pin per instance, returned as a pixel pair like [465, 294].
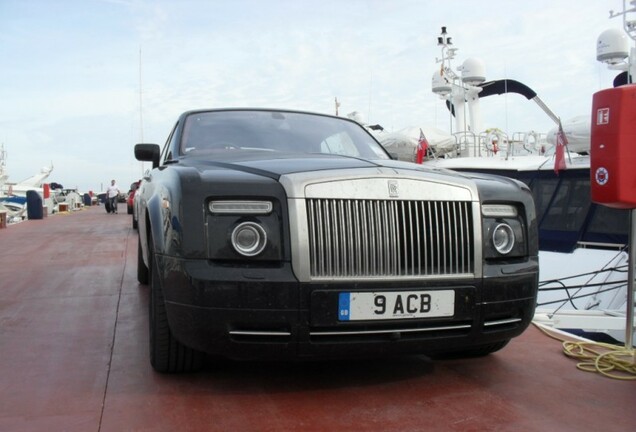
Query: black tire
[484, 350]
[167, 354]
[135, 225]
[478, 351]
[142, 270]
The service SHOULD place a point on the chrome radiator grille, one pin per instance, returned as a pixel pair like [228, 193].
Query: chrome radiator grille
[379, 238]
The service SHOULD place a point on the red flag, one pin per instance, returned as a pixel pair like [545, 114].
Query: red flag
[559, 154]
[422, 147]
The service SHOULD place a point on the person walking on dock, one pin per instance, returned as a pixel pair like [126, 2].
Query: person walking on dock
[112, 195]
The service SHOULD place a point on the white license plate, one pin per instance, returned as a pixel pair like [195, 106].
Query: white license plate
[356, 306]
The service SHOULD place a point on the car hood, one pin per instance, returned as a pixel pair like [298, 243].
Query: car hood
[283, 164]
[279, 165]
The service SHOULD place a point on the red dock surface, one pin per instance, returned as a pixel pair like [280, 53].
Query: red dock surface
[74, 357]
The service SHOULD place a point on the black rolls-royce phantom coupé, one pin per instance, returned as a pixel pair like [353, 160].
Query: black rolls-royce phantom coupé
[271, 234]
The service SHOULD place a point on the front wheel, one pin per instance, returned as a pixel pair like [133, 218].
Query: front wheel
[167, 354]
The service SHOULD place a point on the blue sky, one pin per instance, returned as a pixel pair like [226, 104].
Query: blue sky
[70, 70]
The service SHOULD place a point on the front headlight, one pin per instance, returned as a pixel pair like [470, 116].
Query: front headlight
[249, 239]
[504, 231]
[244, 229]
[503, 238]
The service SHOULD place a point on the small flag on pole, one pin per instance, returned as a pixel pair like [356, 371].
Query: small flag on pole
[422, 147]
[559, 154]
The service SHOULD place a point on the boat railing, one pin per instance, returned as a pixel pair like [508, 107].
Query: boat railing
[486, 144]
[496, 143]
[600, 245]
[467, 144]
[528, 143]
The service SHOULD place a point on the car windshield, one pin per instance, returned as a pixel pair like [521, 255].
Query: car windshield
[275, 131]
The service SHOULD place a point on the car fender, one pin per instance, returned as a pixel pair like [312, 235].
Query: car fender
[159, 224]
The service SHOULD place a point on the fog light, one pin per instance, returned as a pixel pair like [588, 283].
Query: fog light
[503, 238]
[249, 239]
[499, 210]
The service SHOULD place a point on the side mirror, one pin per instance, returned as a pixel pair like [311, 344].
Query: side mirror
[148, 153]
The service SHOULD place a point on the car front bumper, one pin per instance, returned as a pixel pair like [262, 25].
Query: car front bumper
[265, 313]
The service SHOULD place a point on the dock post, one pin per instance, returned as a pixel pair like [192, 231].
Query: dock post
[629, 325]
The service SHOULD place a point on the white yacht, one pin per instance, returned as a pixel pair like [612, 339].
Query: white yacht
[583, 245]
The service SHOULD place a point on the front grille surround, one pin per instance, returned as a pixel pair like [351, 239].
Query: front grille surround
[383, 227]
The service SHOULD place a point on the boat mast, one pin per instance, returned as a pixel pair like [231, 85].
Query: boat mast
[462, 92]
[3, 175]
[446, 83]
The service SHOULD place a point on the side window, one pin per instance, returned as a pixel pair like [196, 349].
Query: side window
[609, 220]
[166, 154]
[569, 207]
[339, 143]
[542, 192]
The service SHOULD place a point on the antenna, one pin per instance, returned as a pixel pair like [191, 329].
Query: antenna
[628, 25]
[448, 52]
[141, 111]
[141, 117]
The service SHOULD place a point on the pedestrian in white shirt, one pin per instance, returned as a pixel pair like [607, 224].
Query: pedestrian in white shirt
[112, 195]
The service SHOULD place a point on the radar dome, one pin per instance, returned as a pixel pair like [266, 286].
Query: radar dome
[612, 46]
[473, 71]
[356, 116]
[441, 85]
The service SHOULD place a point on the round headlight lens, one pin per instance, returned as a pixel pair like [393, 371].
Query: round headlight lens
[503, 238]
[249, 239]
